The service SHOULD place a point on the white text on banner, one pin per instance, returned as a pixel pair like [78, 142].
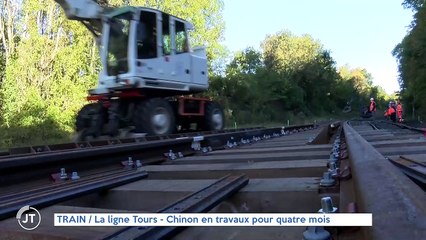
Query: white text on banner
[212, 219]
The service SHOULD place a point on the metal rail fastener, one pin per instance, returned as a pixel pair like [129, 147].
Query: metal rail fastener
[327, 205]
[318, 232]
[327, 180]
[74, 176]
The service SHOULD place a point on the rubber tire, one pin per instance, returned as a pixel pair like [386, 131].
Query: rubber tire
[84, 116]
[144, 113]
[208, 124]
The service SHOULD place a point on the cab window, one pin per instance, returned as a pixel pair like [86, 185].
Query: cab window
[147, 36]
[181, 38]
[167, 41]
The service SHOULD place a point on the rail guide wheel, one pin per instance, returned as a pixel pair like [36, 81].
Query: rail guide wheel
[154, 116]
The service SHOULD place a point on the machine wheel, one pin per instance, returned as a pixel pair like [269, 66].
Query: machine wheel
[214, 119]
[90, 120]
[84, 116]
[154, 117]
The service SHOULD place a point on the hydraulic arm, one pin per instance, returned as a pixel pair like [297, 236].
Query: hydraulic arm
[88, 12]
[81, 9]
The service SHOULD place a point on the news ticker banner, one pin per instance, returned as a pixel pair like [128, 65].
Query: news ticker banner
[211, 219]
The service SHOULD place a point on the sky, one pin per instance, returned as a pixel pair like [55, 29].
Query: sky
[360, 33]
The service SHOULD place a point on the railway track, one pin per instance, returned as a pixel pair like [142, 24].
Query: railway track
[362, 166]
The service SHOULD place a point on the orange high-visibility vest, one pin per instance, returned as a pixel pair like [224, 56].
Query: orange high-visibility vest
[390, 111]
[372, 106]
[399, 110]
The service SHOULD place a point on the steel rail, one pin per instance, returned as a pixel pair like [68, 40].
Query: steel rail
[46, 188]
[76, 146]
[397, 203]
[21, 169]
[373, 125]
[411, 168]
[201, 201]
[18, 161]
[12, 161]
[73, 189]
[24, 169]
[414, 169]
[401, 125]
[37, 166]
[217, 140]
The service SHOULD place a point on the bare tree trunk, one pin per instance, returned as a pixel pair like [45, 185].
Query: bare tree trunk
[8, 16]
[3, 39]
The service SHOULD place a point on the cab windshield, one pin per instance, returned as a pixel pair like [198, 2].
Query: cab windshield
[118, 42]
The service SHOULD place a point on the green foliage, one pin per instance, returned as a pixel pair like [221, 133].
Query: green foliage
[248, 61]
[411, 57]
[2, 66]
[292, 78]
[49, 80]
[413, 4]
[32, 121]
[2, 77]
[284, 51]
[47, 63]
[358, 85]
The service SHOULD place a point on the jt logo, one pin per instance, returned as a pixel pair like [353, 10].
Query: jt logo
[28, 218]
[31, 216]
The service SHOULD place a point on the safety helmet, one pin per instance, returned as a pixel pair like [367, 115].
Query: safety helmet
[371, 99]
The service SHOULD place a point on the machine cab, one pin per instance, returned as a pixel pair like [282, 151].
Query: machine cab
[148, 49]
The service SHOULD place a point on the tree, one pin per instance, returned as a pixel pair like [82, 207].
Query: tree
[235, 90]
[284, 51]
[410, 55]
[45, 88]
[307, 71]
[9, 16]
[413, 4]
[293, 75]
[248, 61]
[360, 81]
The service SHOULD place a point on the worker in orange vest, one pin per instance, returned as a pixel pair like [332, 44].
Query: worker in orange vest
[372, 105]
[399, 111]
[372, 108]
[391, 112]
